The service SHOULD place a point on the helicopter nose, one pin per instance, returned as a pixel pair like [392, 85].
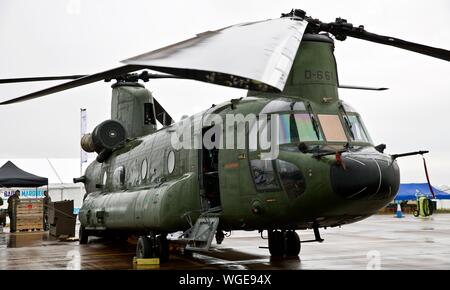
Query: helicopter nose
[365, 177]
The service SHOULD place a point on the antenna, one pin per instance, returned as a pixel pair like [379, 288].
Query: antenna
[83, 128]
[59, 178]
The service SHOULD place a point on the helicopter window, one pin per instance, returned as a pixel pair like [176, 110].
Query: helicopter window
[282, 105]
[332, 128]
[264, 175]
[297, 128]
[171, 162]
[276, 106]
[291, 178]
[359, 133]
[348, 108]
[119, 176]
[144, 167]
[105, 177]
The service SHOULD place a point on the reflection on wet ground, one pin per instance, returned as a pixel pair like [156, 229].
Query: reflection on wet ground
[378, 242]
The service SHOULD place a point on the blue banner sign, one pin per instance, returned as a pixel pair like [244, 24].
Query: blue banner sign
[24, 192]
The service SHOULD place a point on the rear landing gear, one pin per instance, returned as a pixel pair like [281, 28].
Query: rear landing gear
[293, 244]
[276, 243]
[287, 243]
[144, 247]
[284, 243]
[220, 236]
[153, 246]
[83, 235]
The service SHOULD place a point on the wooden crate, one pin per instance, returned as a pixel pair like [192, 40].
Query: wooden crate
[61, 218]
[30, 214]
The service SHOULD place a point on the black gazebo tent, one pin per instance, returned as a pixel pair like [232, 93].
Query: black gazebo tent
[13, 176]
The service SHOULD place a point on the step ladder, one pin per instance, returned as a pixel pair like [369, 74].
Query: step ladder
[199, 237]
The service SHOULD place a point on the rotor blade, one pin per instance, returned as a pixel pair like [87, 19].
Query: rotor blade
[161, 114]
[145, 76]
[75, 83]
[362, 88]
[39, 79]
[411, 46]
[341, 29]
[256, 55]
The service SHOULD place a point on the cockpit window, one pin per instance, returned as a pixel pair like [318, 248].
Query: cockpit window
[348, 108]
[359, 133]
[282, 105]
[297, 127]
[355, 126]
[264, 175]
[332, 128]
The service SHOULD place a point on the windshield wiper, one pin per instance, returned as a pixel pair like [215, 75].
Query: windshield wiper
[313, 121]
[347, 121]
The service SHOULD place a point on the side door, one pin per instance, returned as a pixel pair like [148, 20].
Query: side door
[237, 187]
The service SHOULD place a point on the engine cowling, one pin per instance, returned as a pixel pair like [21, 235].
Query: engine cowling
[107, 136]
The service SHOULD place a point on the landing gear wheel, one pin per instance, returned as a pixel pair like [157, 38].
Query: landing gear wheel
[83, 235]
[276, 243]
[293, 244]
[163, 247]
[153, 247]
[430, 206]
[144, 248]
[416, 213]
[219, 237]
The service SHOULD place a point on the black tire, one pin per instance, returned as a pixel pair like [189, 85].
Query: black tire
[163, 248]
[430, 207]
[144, 248]
[219, 237]
[293, 244]
[276, 243]
[416, 213]
[83, 236]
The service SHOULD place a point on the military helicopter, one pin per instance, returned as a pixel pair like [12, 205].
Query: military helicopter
[326, 171]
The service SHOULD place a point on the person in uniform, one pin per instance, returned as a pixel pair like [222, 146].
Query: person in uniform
[2, 216]
[47, 201]
[12, 200]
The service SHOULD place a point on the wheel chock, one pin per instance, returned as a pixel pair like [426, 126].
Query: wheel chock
[146, 261]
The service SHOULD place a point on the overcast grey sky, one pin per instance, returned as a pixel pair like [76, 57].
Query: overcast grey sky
[58, 37]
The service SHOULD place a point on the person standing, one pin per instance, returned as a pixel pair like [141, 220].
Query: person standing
[12, 200]
[47, 201]
[2, 217]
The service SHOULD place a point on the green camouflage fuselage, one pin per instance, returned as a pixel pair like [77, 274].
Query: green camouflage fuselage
[134, 190]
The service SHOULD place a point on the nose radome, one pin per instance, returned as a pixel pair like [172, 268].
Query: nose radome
[365, 177]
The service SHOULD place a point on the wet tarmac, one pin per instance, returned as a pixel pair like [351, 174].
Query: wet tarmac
[380, 242]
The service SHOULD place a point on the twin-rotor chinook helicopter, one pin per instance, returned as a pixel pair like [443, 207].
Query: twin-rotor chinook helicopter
[327, 171]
